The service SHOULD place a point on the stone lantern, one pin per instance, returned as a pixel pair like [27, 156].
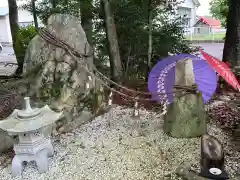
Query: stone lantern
[31, 125]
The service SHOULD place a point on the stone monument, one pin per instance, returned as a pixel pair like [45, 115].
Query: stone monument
[186, 116]
[54, 77]
[33, 128]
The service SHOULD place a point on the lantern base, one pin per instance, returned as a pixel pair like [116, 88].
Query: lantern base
[207, 174]
[35, 147]
[41, 159]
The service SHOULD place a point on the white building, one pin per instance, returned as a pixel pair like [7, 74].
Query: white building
[188, 10]
[24, 17]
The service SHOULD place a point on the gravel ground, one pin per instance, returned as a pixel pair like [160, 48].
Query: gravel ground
[117, 146]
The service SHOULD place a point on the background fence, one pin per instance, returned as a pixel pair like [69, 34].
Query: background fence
[205, 34]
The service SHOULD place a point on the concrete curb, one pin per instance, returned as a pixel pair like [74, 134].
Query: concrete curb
[206, 41]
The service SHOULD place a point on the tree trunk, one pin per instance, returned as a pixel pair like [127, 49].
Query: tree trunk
[13, 20]
[86, 8]
[115, 61]
[149, 37]
[53, 3]
[66, 3]
[34, 14]
[231, 50]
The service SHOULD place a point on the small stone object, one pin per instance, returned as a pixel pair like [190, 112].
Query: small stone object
[32, 126]
[212, 158]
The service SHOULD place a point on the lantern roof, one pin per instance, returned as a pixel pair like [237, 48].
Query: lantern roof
[29, 119]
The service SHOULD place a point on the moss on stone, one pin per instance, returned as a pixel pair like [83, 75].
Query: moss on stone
[186, 117]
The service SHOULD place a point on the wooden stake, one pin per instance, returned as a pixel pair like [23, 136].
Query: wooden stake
[164, 109]
[110, 99]
[136, 108]
[88, 84]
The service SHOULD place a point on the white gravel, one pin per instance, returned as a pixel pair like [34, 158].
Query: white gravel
[116, 146]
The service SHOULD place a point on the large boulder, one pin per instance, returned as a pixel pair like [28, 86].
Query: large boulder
[186, 116]
[56, 78]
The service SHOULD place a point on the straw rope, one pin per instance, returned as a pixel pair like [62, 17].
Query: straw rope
[47, 36]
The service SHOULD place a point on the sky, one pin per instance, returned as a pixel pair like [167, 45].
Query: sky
[4, 3]
[202, 10]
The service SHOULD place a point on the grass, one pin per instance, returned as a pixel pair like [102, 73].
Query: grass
[202, 37]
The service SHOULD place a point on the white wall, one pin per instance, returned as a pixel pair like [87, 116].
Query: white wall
[194, 16]
[8, 29]
[191, 5]
[4, 33]
[24, 16]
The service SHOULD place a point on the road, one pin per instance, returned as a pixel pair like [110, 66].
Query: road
[214, 49]
[7, 56]
[6, 51]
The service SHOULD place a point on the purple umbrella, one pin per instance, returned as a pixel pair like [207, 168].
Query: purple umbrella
[162, 77]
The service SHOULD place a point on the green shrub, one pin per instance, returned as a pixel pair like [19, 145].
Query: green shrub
[24, 37]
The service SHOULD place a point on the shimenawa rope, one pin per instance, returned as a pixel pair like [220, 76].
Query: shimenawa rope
[46, 35]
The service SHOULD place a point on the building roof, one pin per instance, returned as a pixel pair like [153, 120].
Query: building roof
[4, 11]
[210, 21]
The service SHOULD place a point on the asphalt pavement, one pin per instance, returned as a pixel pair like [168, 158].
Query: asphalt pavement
[8, 62]
[214, 49]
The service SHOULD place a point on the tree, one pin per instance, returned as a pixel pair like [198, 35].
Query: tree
[152, 4]
[115, 60]
[54, 3]
[219, 10]
[132, 24]
[13, 20]
[86, 8]
[150, 22]
[231, 51]
[45, 8]
[131, 27]
[34, 13]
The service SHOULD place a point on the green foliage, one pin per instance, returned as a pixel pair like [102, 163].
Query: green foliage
[27, 33]
[219, 10]
[168, 36]
[131, 21]
[23, 39]
[44, 8]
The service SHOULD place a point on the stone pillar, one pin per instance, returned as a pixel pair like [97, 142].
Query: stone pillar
[185, 117]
